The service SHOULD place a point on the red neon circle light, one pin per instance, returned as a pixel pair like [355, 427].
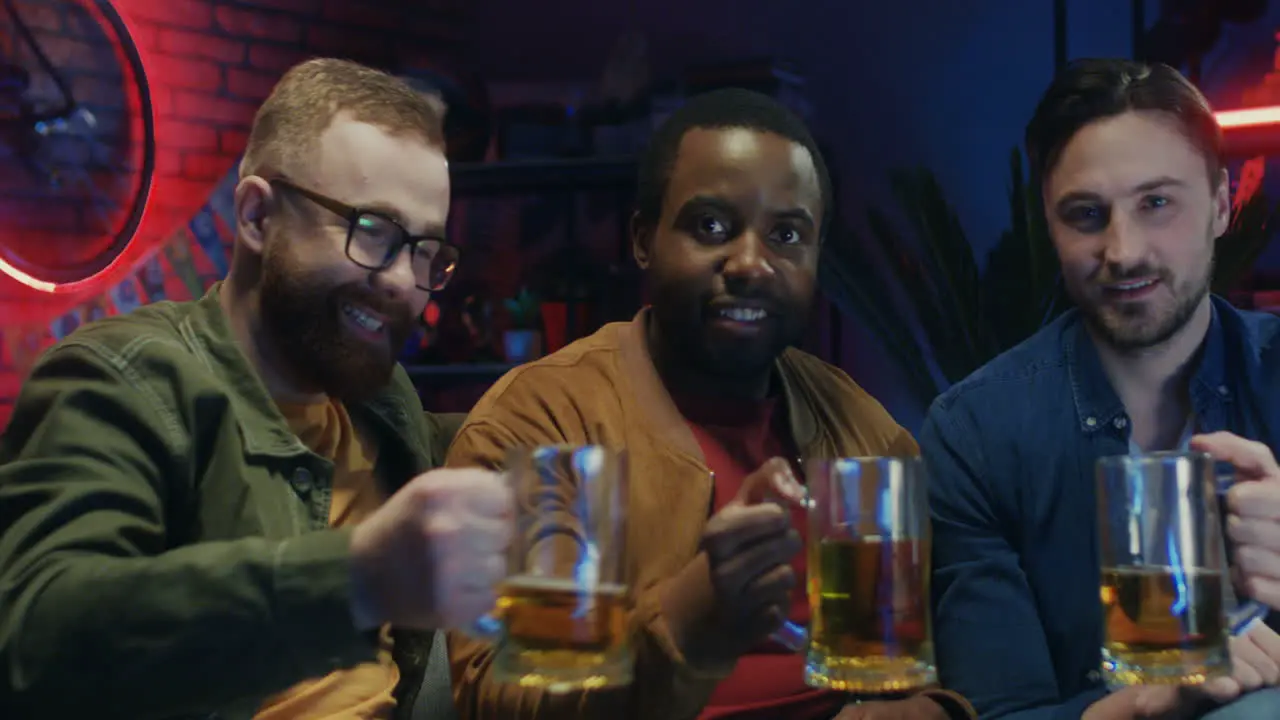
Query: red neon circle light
[84, 283]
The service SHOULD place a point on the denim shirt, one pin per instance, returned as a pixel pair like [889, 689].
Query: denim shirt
[1011, 453]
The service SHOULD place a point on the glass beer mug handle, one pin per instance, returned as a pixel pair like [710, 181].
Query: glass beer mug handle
[486, 628]
[1246, 616]
[792, 636]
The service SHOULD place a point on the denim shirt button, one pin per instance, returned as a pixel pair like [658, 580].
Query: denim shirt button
[1223, 391]
[1091, 421]
[301, 480]
[1120, 423]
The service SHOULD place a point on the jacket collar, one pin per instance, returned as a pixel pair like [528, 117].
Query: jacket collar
[264, 430]
[658, 408]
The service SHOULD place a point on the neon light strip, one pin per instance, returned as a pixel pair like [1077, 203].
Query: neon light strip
[1251, 117]
[25, 279]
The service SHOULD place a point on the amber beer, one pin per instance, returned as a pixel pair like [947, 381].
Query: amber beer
[559, 622]
[558, 634]
[869, 616]
[1163, 625]
[1162, 563]
[868, 576]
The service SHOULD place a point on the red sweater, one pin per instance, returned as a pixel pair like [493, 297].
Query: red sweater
[736, 438]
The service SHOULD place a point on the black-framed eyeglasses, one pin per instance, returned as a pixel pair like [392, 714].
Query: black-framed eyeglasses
[374, 241]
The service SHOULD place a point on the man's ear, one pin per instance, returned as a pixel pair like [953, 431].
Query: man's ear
[641, 241]
[253, 200]
[1222, 204]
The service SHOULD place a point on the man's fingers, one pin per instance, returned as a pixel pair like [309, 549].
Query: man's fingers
[1268, 641]
[1157, 700]
[1253, 531]
[1171, 702]
[1255, 500]
[482, 536]
[765, 618]
[490, 495]
[479, 491]
[776, 584]
[466, 589]
[1250, 665]
[1223, 689]
[1257, 562]
[763, 557]
[1265, 590]
[1246, 677]
[774, 480]
[748, 565]
[735, 528]
[1252, 460]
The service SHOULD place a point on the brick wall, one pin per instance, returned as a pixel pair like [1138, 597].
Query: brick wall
[213, 62]
[209, 62]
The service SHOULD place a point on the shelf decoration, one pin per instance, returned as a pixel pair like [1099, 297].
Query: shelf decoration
[523, 340]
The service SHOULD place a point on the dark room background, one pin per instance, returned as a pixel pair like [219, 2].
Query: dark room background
[941, 84]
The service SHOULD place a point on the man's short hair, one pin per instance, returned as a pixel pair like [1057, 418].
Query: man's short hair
[305, 100]
[1093, 89]
[727, 108]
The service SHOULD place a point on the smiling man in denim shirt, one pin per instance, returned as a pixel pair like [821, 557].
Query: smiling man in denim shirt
[1129, 160]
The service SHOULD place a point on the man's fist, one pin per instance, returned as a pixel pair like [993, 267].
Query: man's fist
[749, 545]
[432, 556]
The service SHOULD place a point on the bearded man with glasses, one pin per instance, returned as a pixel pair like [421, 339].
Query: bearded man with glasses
[227, 508]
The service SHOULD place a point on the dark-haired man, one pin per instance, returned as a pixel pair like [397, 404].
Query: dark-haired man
[1129, 160]
[221, 508]
[705, 393]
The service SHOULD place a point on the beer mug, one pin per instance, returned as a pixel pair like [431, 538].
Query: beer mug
[1165, 584]
[560, 618]
[868, 577]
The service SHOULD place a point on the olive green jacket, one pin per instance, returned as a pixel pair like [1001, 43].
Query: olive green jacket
[164, 540]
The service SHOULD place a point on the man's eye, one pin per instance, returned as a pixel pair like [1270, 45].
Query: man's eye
[709, 225]
[1087, 217]
[1155, 202]
[787, 236]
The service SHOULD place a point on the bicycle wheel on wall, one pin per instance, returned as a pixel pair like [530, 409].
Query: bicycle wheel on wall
[77, 140]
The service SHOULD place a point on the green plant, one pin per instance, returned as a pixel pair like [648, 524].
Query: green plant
[1245, 239]
[524, 309]
[937, 315]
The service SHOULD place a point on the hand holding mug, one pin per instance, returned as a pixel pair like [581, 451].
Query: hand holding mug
[1253, 504]
[433, 554]
[749, 546]
[737, 590]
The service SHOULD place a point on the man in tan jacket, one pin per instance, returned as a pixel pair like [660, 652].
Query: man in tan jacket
[706, 395]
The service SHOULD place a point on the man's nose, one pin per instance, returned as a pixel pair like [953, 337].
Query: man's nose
[747, 259]
[1123, 244]
[397, 281]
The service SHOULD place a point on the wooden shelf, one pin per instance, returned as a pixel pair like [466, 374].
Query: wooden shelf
[512, 176]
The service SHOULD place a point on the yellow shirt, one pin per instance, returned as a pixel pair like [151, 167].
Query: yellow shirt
[363, 692]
